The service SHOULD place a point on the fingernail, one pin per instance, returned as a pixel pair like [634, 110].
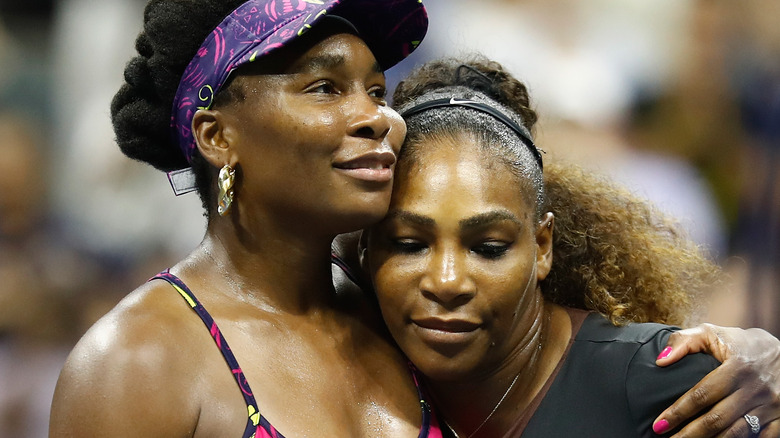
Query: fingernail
[661, 426]
[664, 353]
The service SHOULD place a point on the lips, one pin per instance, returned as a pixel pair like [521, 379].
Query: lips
[448, 336]
[446, 325]
[373, 166]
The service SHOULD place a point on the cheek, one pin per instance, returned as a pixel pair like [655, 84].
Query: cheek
[324, 121]
[504, 288]
[394, 290]
[386, 286]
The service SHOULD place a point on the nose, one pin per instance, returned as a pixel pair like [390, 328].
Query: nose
[395, 137]
[369, 119]
[446, 279]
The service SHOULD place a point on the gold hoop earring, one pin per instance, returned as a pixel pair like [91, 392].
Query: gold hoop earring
[225, 181]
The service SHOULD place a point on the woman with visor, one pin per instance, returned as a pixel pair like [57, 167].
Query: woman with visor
[274, 111]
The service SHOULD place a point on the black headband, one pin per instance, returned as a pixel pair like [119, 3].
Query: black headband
[482, 107]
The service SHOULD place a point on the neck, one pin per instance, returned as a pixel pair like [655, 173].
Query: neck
[488, 406]
[275, 270]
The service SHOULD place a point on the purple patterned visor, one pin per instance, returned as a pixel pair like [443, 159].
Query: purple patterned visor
[391, 28]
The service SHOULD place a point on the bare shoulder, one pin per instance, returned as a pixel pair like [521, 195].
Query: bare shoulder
[127, 374]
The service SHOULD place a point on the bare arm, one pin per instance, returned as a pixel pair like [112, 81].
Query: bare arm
[747, 382]
[118, 382]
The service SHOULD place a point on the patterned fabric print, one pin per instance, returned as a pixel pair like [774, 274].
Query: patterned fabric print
[238, 39]
[392, 28]
[257, 426]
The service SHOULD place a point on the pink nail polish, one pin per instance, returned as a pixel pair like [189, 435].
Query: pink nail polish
[662, 425]
[664, 353]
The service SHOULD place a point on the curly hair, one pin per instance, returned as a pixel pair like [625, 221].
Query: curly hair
[141, 109]
[633, 263]
[614, 253]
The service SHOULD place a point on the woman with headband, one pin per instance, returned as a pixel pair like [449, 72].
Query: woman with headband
[276, 111]
[524, 299]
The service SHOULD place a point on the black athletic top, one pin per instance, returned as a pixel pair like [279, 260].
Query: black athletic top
[607, 383]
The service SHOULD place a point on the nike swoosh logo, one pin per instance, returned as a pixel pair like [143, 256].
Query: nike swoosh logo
[456, 101]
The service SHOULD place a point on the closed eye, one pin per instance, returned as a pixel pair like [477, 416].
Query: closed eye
[491, 250]
[407, 246]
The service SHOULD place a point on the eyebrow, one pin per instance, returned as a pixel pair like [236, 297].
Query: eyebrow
[487, 218]
[476, 221]
[414, 218]
[325, 62]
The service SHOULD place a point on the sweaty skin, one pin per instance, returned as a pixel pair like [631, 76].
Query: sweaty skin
[312, 143]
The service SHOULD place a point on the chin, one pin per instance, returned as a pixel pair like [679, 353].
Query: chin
[439, 369]
[367, 211]
[442, 366]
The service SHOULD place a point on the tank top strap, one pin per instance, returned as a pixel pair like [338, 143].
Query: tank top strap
[430, 424]
[257, 426]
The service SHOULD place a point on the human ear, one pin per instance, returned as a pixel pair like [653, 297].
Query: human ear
[213, 137]
[544, 243]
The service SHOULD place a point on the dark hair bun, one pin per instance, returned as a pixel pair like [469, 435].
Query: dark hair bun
[141, 109]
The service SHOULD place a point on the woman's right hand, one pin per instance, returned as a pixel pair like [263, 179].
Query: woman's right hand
[746, 383]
